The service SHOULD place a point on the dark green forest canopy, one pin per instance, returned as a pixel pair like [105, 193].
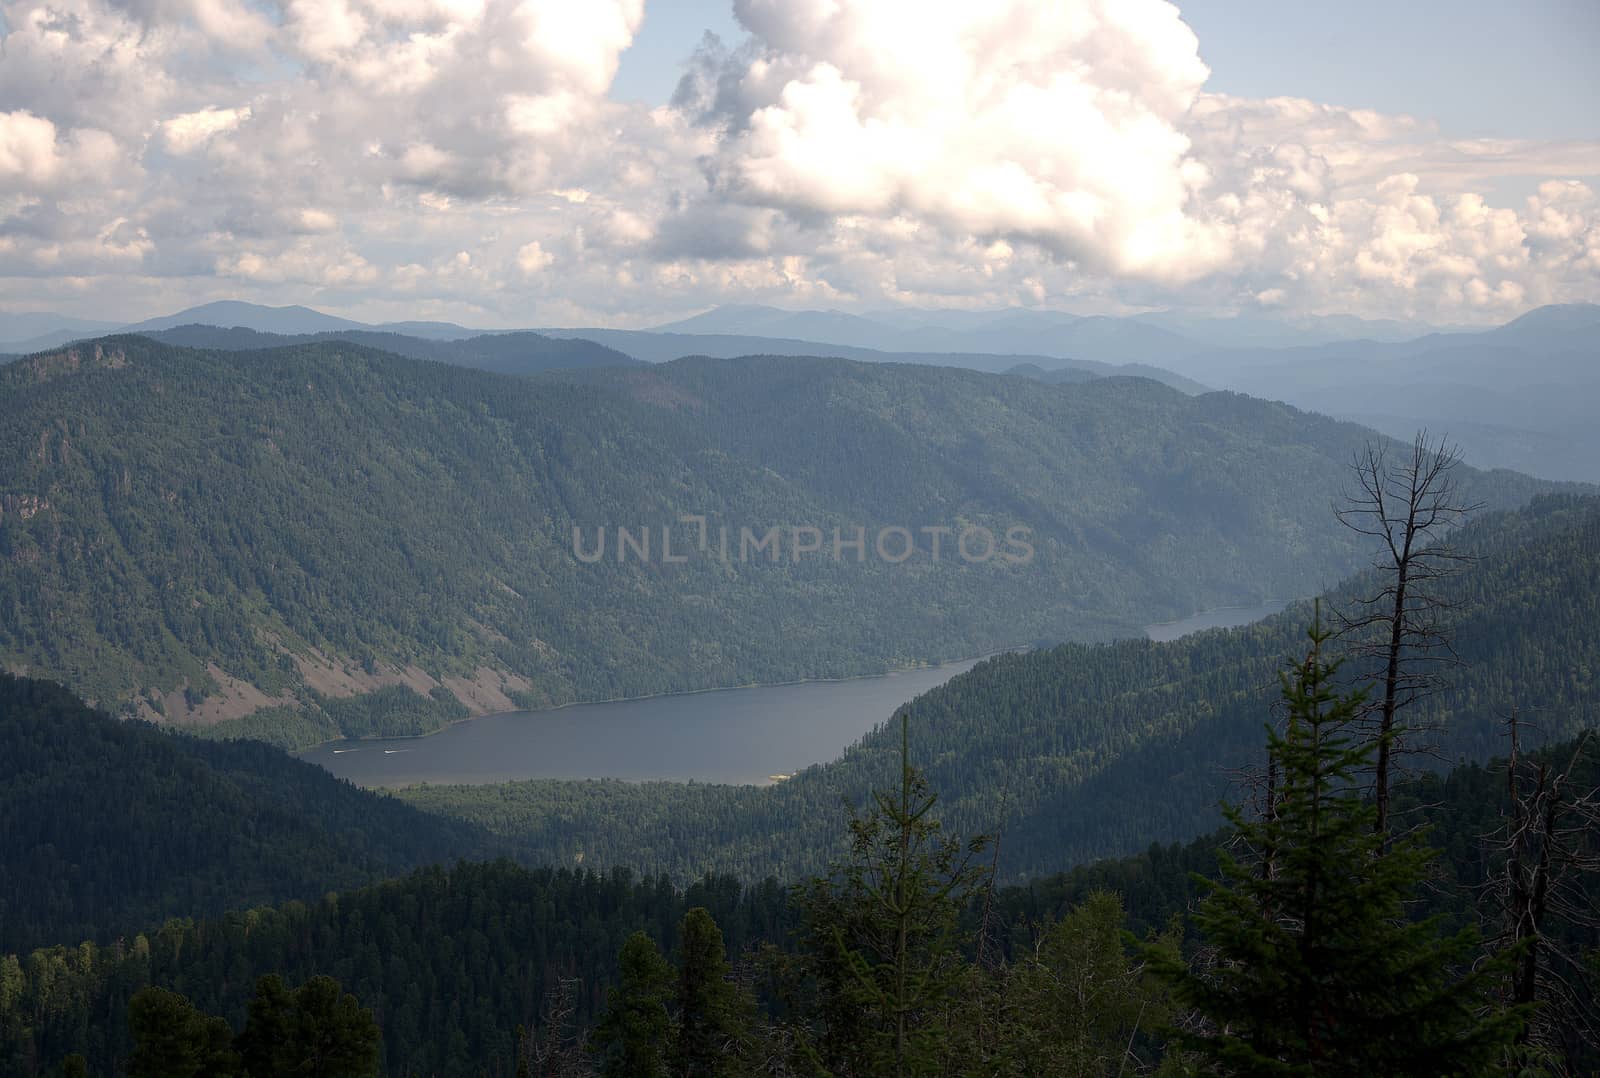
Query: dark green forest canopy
[107, 826]
[208, 536]
[1091, 750]
[453, 961]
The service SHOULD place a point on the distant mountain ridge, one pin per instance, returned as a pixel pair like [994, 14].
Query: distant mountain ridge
[1020, 333]
[503, 353]
[298, 325]
[654, 347]
[1517, 396]
[27, 326]
[22, 334]
[1514, 396]
[1150, 337]
[254, 537]
[229, 313]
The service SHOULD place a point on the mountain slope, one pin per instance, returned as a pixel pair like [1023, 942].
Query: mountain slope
[209, 536]
[1517, 396]
[1088, 750]
[503, 353]
[452, 961]
[109, 826]
[229, 313]
[18, 328]
[1017, 331]
[983, 355]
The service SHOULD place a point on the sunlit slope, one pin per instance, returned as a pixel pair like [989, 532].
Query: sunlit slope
[255, 537]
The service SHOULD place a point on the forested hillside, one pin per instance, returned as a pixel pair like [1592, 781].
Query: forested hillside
[503, 353]
[108, 826]
[208, 536]
[453, 963]
[1091, 750]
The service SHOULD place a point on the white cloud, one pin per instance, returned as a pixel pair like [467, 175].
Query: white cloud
[852, 153]
[531, 258]
[34, 155]
[192, 129]
[28, 152]
[305, 261]
[1056, 124]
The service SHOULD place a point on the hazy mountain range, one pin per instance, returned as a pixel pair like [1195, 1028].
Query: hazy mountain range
[1515, 396]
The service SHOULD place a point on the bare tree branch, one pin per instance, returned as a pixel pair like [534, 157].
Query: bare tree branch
[1409, 505]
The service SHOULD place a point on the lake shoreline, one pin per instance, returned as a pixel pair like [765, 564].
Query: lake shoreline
[673, 695]
[639, 738]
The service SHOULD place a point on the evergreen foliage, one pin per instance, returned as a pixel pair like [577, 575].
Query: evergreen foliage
[1317, 967]
[633, 1036]
[1087, 751]
[238, 536]
[714, 1015]
[107, 827]
[881, 932]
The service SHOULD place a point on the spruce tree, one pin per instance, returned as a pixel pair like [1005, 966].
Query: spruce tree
[883, 936]
[634, 1037]
[317, 1030]
[172, 1039]
[1318, 969]
[713, 1018]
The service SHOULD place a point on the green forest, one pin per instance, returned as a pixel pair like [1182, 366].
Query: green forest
[1092, 750]
[1359, 837]
[242, 539]
[505, 353]
[109, 826]
[1014, 967]
[486, 967]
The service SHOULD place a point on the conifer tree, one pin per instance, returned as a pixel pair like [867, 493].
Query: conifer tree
[1079, 1003]
[316, 1030]
[173, 1039]
[634, 1037]
[1318, 970]
[713, 1019]
[883, 933]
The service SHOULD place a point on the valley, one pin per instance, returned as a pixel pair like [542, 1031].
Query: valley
[326, 540]
[744, 736]
[387, 563]
[753, 539]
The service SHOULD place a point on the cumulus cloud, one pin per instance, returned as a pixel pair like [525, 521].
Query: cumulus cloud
[531, 257]
[34, 155]
[1057, 124]
[441, 157]
[186, 132]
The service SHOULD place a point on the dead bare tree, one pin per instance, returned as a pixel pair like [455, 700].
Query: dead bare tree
[1551, 845]
[555, 1047]
[1409, 503]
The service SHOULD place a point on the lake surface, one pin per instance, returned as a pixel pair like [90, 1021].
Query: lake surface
[1222, 617]
[731, 735]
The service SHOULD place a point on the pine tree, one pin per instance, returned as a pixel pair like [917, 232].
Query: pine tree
[634, 1037]
[1318, 970]
[883, 937]
[172, 1039]
[269, 1027]
[713, 1019]
[316, 1030]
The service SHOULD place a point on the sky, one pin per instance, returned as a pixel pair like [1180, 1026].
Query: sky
[626, 162]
